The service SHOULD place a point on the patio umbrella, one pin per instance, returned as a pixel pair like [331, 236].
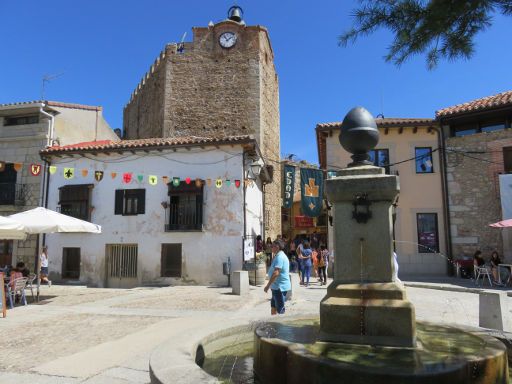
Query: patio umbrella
[11, 229]
[42, 220]
[502, 224]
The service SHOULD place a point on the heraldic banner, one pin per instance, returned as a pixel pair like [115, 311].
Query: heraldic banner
[289, 182]
[312, 190]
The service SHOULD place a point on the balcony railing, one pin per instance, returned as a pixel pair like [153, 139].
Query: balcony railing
[12, 194]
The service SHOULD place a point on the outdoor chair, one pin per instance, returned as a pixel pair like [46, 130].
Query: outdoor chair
[482, 272]
[30, 284]
[17, 286]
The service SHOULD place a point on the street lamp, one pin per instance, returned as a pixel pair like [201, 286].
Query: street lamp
[256, 167]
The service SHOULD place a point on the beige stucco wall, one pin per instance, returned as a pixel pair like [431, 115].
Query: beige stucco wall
[419, 193]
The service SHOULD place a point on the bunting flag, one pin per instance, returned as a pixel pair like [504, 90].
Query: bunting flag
[113, 175]
[69, 173]
[187, 180]
[176, 181]
[2, 166]
[35, 169]
[228, 183]
[199, 182]
[311, 183]
[289, 184]
[127, 177]
[85, 172]
[52, 169]
[153, 180]
[140, 178]
[98, 175]
[237, 183]
[209, 182]
[165, 179]
[218, 183]
[18, 166]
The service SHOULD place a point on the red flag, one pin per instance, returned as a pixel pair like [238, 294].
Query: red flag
[127, 177]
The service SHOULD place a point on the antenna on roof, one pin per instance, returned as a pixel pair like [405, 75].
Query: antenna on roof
[181, 45]
[46, 79]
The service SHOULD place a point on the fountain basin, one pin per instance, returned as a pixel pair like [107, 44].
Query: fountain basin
[292, 353]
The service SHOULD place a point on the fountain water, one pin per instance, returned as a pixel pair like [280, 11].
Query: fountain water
[367, 332]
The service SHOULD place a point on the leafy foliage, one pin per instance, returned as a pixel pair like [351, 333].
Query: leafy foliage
[439, 28]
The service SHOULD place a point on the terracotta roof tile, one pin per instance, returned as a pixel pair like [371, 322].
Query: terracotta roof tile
[384, 122]
[106, 145]
[55, 104]
[489, 102]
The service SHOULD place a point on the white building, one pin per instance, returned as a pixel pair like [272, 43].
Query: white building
[176, 231]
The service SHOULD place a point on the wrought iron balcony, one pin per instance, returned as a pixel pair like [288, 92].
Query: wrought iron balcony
[12, 194]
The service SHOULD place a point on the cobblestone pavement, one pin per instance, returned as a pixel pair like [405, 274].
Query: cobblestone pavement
[90, 335]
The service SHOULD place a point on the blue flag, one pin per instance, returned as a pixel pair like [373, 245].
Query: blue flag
[312, 191]
[289, 183]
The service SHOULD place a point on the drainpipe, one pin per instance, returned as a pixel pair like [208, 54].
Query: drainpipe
[50, 126]
[446, 208]
[244, 208]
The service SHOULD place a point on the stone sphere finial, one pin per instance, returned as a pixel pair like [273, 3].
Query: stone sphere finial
[359, 134]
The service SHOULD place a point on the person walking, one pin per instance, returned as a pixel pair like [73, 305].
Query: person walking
[278, 278]
[43, 261]
[306, 256]
[323, 262]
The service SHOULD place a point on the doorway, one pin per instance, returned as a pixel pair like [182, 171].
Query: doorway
[121, 261]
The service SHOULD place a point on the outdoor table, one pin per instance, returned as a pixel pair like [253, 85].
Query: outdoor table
[499, 271]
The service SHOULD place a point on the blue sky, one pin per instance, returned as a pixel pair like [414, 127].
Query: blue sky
[104, 47]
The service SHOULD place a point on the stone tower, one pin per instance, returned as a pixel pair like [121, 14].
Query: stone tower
[222, 83]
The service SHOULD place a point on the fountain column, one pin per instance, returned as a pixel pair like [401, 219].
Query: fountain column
[363, 304]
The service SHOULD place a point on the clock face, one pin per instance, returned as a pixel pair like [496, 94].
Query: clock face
[227, 39]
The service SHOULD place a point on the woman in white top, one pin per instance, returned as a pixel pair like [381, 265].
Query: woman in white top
[43, 260]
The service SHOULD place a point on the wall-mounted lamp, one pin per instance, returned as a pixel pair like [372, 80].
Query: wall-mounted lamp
[256, 167]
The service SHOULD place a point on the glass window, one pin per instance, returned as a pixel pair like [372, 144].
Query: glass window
[130, 202]
[186, 207]
[21, 120]
[380, 158]
[331, 173]
[465, 130]
[74, 201]
[493, 127]
[423, 157]
[428, 238]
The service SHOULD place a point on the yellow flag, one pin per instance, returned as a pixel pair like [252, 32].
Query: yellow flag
[52, 169]
[69, 173]
[153, 180]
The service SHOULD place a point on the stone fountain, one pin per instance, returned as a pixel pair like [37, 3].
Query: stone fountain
[367, 331]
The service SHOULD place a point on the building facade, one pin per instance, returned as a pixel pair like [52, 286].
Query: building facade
[478, 142]
[222, 83]
[171, 210]
[25, 129]
[408, 148]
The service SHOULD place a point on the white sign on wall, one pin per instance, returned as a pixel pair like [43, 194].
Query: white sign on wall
[248, 249]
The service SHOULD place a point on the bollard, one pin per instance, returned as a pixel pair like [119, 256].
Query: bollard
[292, 293]
[240, 283]
[494, 311]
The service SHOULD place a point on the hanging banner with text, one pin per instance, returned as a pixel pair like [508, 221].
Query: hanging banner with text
[289, 183]
[312, 190]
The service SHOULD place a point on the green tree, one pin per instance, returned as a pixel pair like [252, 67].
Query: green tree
[438, 28]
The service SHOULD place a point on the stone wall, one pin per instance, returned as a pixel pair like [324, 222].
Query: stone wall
[215, 92]
[23, 149]
[474, 163]
[143, 115]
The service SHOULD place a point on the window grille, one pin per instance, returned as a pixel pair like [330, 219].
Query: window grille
[186, 207]
[74, 200]
[122, 260]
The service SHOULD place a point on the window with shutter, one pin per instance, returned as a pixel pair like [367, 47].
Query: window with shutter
[74, 200]
[130, 202]
[186, 207]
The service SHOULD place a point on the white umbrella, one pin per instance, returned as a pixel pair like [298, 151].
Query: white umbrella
[42, 220]
[11, 229]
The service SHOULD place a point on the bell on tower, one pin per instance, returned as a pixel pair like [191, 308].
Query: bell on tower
[235, 13]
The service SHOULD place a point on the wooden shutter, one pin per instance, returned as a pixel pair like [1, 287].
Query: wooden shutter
[507, 159]
[141, 206]
[119, 202]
